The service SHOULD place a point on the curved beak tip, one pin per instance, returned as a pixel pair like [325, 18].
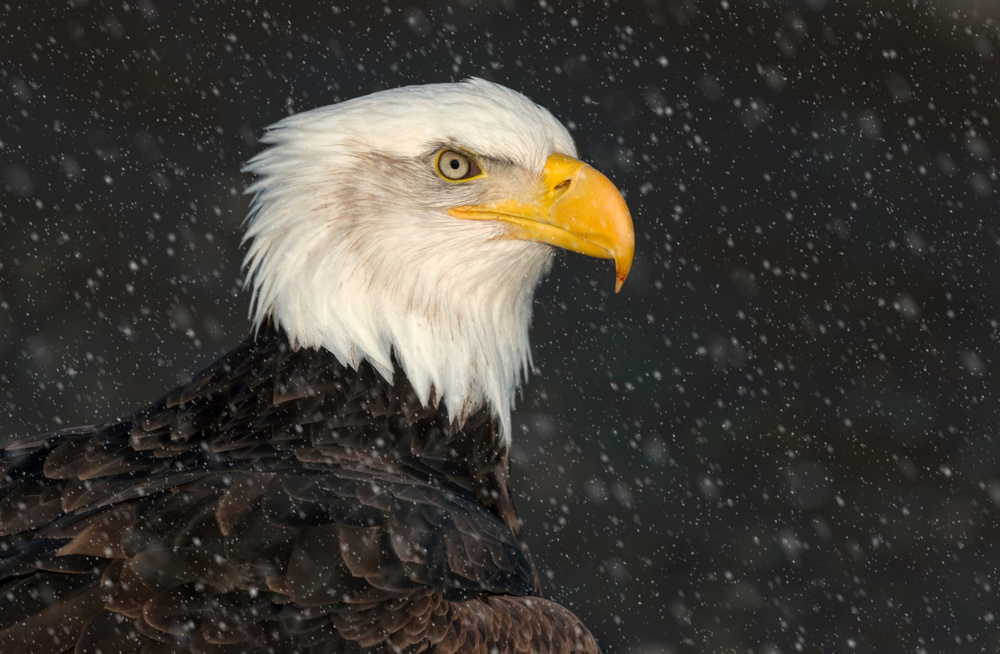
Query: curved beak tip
[623, 265]
[607, 211]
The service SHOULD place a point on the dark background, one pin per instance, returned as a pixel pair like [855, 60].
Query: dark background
[782, 436]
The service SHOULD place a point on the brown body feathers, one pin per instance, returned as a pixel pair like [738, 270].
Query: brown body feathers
[280, 502]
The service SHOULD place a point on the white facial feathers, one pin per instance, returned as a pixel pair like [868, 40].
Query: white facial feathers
[352, 248]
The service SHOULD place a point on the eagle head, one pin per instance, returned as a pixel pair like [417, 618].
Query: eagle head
[415, 223]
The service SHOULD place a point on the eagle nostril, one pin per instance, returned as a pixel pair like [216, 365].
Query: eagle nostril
[562, 186]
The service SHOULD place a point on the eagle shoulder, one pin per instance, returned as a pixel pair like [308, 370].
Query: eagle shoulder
[279, 500]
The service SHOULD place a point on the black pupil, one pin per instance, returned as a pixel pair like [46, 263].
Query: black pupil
[454, 163]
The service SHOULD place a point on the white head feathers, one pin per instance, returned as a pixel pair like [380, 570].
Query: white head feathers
[352, 248]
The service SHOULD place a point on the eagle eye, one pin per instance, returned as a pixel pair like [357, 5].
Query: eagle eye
[457, 167]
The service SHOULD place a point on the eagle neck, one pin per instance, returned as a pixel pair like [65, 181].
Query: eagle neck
[458, 331]
[304, 406]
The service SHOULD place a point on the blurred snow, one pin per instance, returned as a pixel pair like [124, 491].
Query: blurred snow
[781, 436]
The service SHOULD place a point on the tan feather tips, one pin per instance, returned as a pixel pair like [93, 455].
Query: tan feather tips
[103, 536]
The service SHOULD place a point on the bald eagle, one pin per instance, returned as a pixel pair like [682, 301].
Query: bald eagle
[339, 481]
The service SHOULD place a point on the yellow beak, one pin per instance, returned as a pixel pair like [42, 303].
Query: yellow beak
[576, 208]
